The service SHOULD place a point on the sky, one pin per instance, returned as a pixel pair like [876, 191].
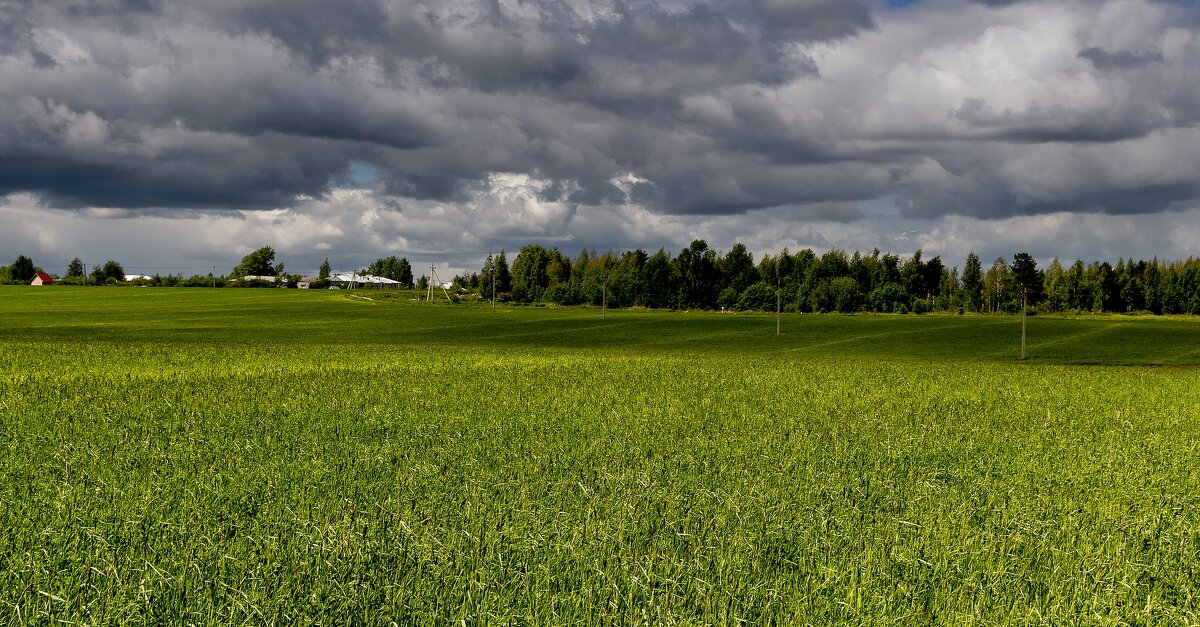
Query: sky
[177, 136]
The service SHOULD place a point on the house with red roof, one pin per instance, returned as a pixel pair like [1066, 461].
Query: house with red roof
[42, 278]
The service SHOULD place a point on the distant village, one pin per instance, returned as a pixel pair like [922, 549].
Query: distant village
[257, 269]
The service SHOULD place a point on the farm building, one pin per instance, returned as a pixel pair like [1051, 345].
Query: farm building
[353, 279]
[135, 277]
[42, 278]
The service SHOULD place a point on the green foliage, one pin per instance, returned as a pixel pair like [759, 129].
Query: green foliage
[22, 270]
[888, 297]
[530, 276]
[624, 284]
[110, 273]
[503, 276]
[660, 279]
[495, 279]
[258, 263]
[737, 268]
[998, 292]
[288, 457]
[698, 276]
[728, 299]
[396, 269]
[324, 272]
[847, 297]
[1025, 276]
[75, 268]
[972, 283]
[757, 297]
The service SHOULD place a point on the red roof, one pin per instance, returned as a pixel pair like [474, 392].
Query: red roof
[46, 278]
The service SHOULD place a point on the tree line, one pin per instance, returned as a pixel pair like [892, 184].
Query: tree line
[701, 278]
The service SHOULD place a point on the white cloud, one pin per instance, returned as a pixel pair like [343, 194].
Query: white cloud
[433, 233]
[487, 130]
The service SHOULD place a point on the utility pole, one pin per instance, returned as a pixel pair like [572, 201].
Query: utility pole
[434, 277]
[214, 276]
[1024, 301]
[493, 283]
[429, 296]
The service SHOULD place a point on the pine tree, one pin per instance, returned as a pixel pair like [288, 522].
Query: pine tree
[972, 282]
[1025, 275]
[503, 276]
[75, 268]
[487, 277]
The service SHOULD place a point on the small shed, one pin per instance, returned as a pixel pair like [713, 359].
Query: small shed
[42, 278]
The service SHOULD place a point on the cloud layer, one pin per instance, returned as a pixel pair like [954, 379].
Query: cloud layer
[484, 124]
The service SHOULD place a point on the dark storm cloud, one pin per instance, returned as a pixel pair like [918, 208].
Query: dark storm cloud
[1058, 123]
[813, 19]
[989, 200]
[1142, 176]
[435, 97]
[1121, 59]
[191, 171]
[684, 106]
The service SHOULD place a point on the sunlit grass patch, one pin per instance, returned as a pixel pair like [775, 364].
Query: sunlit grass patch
[270, 456]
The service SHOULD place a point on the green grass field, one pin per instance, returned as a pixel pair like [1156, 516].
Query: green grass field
[172, 456]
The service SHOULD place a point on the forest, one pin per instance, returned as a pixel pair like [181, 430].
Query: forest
[702, 278]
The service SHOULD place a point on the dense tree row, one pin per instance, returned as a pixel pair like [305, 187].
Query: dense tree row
[701, 278]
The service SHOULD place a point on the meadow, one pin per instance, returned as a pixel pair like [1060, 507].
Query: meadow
[172, 456]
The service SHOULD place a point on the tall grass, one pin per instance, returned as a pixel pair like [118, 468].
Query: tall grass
[272, 457]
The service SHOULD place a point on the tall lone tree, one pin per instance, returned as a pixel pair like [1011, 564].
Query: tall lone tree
[1025, 275]
[258, 263]
[75, 268]
[22, 269]
[323, 273]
